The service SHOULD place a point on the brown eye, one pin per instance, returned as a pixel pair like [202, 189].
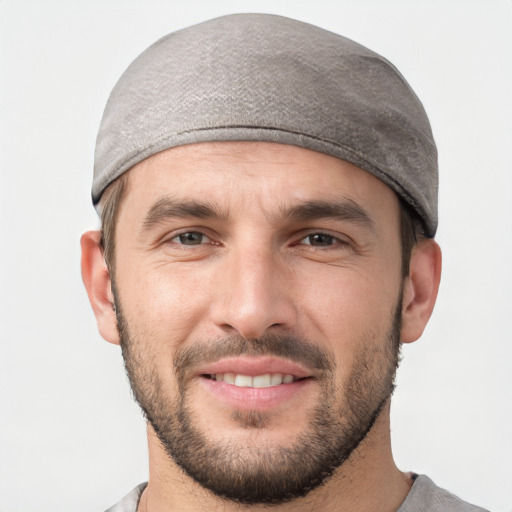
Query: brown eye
[319, 240]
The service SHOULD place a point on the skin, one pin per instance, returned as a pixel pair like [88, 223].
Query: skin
[256, 272]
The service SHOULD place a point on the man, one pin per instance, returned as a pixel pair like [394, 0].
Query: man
[268, 195]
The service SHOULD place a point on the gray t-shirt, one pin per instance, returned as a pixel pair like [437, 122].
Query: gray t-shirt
[424, 496]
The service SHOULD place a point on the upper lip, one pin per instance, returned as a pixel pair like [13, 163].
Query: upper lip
[252, 366]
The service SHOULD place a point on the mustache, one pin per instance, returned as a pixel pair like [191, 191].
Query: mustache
[293, 348]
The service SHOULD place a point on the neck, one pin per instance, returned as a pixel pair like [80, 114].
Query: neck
[368, 480]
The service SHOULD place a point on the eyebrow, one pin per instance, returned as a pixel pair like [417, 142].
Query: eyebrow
[167, 208]
[346, 210]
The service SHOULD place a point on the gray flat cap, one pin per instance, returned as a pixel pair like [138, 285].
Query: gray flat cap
[259, 77]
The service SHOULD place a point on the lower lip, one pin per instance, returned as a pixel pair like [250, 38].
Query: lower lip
[260, 399]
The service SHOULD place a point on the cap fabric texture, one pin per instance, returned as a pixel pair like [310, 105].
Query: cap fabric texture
[259, 77]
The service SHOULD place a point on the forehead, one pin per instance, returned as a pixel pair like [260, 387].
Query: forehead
[253, 175]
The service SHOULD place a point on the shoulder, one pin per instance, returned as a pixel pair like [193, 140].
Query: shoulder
[426, 496]
[130, 502]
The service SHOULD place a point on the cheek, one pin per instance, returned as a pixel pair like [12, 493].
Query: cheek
[162, 303]
[348, 307]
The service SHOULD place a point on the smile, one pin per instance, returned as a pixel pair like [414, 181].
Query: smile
[266, 380]
[255, 383]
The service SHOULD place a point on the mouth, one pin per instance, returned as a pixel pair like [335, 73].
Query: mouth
[266, 380]
[249, 383]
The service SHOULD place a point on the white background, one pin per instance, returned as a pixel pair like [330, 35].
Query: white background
[71, 439]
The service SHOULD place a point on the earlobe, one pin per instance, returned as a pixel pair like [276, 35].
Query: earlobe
[96, 278]
[420, 289]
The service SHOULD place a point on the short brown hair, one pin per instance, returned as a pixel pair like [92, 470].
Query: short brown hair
[411, 231]
[109, 211]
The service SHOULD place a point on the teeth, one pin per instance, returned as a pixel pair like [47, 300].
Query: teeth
[243, 381]
[276, 379]
[259, 381]
[230, 378]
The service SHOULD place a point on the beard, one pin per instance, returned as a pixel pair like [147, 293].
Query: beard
[260, 472]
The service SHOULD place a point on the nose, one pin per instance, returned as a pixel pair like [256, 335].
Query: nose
[253, 294]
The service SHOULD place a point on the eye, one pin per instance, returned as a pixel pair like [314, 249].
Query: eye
[191, 238]
[320, 240]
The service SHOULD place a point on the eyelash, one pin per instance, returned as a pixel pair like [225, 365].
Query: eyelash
[334, 241]
[185, 233]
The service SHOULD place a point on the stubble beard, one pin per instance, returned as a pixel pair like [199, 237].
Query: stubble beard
[253, 473]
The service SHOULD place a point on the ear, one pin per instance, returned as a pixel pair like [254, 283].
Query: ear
[420, 289]
[97, 282]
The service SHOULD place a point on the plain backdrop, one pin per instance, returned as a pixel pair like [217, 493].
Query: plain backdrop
[71, 439]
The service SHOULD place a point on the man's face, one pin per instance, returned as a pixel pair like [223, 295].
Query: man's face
[258, 293]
